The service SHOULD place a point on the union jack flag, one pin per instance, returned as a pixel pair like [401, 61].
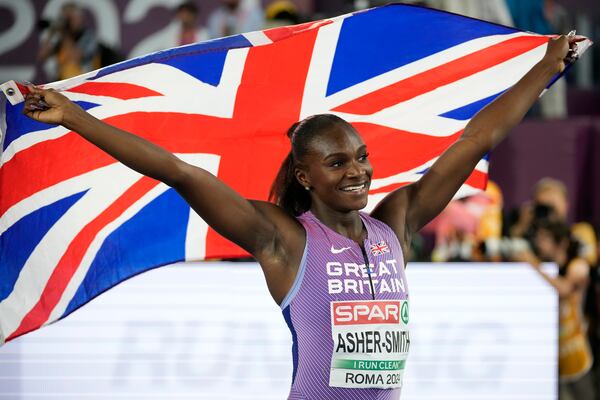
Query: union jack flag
[74, 222]
[380, 248]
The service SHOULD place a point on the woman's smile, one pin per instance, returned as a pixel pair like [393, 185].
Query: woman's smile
[356, 188]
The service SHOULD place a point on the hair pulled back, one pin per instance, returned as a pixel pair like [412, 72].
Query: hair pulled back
[286, 191]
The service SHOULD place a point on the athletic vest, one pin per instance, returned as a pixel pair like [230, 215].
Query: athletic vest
[575, 357]
[348, 318]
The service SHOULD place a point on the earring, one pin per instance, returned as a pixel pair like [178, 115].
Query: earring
[306, 187]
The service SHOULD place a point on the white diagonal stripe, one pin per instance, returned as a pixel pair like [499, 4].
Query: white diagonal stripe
[462, 92]
[41, 263]
[319, 70]
[48, 196]
[257, 38]
[421, 114]
[209, 162]
[195, 238]
[182, 94]
[90, 254]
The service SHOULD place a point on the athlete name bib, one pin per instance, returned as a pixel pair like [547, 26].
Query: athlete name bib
[370, 343]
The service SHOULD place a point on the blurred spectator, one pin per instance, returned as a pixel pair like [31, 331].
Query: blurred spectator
[554, 103]
[557, 17]
[553, 242]
[597, 247]
[545, 17]
[234, 17]
[465, 224]
[529, 15]
[592, 304]
[69, 47]
[549, 200]
[281, 13]
[188, 28]
[585, 234]
[184, 29]
[488, 10]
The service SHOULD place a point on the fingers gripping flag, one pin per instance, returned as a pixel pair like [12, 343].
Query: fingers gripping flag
[74, 222]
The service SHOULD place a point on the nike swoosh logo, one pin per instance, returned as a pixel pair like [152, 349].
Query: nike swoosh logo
[338, 251]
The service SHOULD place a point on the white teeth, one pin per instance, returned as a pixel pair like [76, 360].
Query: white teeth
[353, 188]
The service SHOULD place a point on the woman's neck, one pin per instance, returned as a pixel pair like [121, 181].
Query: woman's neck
[348, 224]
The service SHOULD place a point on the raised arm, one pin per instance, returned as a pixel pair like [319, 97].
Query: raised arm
[254, 226]
[409, 208]
[575, 280]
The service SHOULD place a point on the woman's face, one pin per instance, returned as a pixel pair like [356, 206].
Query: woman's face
[337, 169]
[548, 249]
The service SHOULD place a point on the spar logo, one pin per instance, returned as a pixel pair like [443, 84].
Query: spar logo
[367, 312]
[404, 312]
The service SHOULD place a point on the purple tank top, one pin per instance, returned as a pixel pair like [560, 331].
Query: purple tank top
[349, 324]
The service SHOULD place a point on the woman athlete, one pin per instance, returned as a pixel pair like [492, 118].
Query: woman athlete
[338, 274]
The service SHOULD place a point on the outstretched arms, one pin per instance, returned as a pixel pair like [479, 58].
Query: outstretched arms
[256, 228]
[409, 208]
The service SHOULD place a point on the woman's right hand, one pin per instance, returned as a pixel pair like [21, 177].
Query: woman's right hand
[49, 106]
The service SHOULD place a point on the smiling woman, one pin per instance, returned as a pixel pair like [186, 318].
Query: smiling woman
[319, 163]
[316, 225]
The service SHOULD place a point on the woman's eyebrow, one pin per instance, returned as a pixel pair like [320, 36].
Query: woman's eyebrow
[334, 155]
[360, 149]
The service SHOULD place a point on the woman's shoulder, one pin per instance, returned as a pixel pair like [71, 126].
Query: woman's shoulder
[376, 223]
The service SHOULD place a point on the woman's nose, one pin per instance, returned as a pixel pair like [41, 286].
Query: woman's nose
[356, 169]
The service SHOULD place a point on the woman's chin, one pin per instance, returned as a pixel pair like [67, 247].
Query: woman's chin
[357, 205]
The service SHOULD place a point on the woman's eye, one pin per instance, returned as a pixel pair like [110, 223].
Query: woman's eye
[336, 164]
[364, 157]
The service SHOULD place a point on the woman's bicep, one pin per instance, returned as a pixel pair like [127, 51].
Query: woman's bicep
[411, 207]
[432, 193]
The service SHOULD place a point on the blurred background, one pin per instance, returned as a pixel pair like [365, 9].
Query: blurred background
[545, 177]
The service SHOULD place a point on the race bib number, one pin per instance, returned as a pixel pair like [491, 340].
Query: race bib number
[370, 343]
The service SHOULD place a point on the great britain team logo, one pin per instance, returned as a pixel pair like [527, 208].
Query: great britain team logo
[380, 248]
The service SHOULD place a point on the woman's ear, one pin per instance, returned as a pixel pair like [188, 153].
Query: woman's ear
[302, 177]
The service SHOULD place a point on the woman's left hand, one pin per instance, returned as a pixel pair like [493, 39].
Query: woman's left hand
[560, 49]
